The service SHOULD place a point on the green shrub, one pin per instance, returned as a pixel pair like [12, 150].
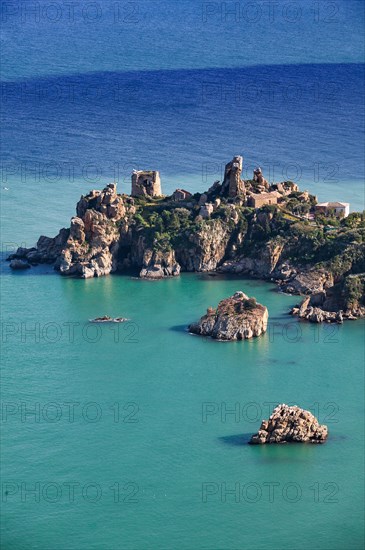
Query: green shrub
[251, 303]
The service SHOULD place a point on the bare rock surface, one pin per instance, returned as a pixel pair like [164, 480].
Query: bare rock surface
[236, 318]
[335, 304]
[290, 425]
[262, 266]
[158, 264]
[308, 282]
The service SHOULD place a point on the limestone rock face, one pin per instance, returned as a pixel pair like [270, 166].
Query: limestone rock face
[290, 424]
[236, 318]
[158, 264]
[77, 229]
[47, 250]
[262, 266]
[89, 248]
[107, 202]
[206, 210]
[93, 238]
[308, 282]
[206, 248]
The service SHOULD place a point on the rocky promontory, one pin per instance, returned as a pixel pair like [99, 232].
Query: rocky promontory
[290, 425]
[237, 226]
[236, 318]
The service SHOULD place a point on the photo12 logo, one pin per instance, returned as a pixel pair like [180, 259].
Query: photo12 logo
[70, 412]
[252, 412]
[252, 492]
[90, 13]
[291, 12]
[71, 332]
[69, 492]
[53, 171]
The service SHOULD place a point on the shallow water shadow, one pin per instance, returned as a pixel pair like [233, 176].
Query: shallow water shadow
[335, 438]
[180, 328]
[34, 271]
[236, 440]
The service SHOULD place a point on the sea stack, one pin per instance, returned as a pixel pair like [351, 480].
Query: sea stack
[236, 318]
[290, 425]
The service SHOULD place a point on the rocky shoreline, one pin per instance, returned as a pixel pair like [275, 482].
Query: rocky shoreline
[311, 311]
[241, 227]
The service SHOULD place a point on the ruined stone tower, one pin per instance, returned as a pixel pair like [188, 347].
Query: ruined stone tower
[233, 186]
[146, 183]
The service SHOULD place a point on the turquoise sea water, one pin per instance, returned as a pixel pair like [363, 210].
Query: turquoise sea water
[133, 443]
[174, 439]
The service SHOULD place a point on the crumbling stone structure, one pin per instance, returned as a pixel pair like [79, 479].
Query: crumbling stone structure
[256, 200]
[181, 195]
[146, 183]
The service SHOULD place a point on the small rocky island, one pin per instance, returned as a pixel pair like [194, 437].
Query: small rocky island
[271, 231]
[290, 425]
[236, 318]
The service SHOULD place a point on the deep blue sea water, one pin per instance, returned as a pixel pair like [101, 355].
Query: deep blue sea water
[151, 446]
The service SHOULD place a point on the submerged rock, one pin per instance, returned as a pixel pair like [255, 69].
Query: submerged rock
[236, 318]
[19, 264]
[290, 424]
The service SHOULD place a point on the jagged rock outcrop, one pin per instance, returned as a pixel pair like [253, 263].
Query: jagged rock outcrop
[290, 425]
[236, 318]
[335, 304]
[204, 249]
[206, 210]
[215, 231]
[47, 250]
[158, 264]
[258, 178]
[89, 248]
[262, 266]
[284, 187]
[232, 184]
[308, 282]
[92, 245]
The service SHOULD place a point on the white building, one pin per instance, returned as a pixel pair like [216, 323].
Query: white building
[339, 209]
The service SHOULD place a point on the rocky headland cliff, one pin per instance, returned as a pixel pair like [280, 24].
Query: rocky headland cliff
[236, 226]
[290, 425]
[236, 318]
